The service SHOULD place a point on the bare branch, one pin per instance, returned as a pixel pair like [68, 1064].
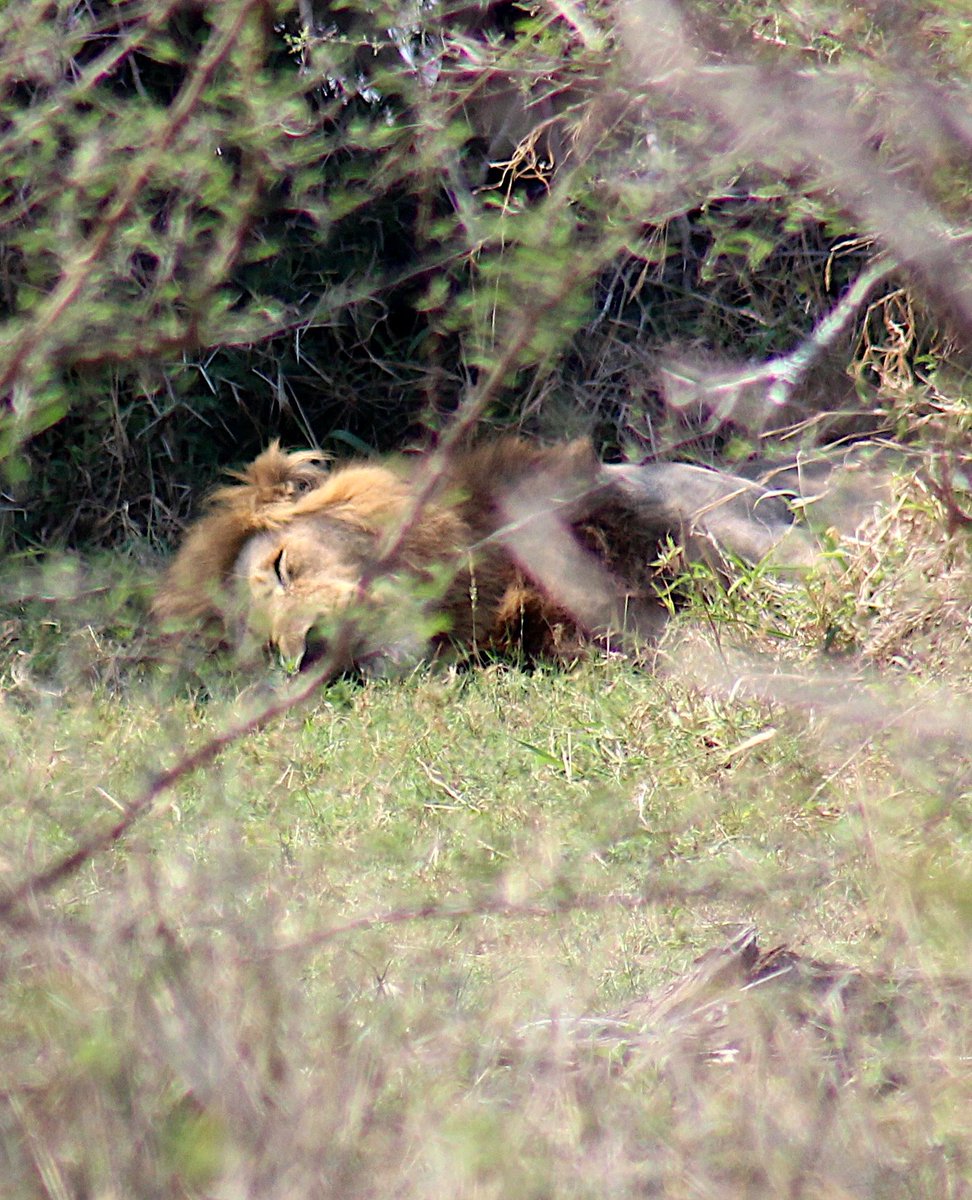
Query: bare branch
[142, 805]
[76, 277]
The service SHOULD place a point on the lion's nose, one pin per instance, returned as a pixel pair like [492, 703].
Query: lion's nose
[292, 652]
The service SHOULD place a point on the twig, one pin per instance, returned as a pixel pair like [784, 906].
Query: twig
[466, 417]
[206, 754]
[943, 490]
[782, 374]
[76, 276]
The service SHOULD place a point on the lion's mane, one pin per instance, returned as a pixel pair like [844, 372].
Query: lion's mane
[462, 541]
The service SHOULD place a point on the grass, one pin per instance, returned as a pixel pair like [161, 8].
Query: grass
[348, 959]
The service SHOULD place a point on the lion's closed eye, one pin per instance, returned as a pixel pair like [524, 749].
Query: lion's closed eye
[280, 568]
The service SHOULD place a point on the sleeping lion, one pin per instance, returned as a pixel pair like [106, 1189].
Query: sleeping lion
[505, 547]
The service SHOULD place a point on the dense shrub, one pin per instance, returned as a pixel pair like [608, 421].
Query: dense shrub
[226, 221]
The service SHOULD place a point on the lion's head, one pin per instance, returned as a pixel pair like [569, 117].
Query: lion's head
[312, 589]
[284, 568]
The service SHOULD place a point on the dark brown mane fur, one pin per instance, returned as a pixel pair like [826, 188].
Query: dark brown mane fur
[491, 599]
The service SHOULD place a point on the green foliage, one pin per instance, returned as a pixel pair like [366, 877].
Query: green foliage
[220, 223]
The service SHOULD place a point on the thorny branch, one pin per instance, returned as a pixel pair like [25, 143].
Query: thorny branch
[74, 280]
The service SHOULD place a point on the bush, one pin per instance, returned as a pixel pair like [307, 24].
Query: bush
[226, 221]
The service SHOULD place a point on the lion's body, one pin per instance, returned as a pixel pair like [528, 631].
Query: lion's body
[507, 545]
[292, 543]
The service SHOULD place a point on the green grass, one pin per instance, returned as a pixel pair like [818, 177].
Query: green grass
[345, 960]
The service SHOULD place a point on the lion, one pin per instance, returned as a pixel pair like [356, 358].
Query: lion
[503, 547]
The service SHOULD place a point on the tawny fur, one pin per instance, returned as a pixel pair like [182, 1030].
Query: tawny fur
[295, 540]
[192, 586]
